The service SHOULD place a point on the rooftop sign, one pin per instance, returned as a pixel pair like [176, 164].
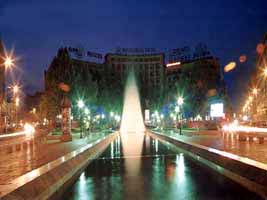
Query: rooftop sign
[135, 50]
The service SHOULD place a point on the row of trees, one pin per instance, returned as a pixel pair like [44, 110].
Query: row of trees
[98, 93]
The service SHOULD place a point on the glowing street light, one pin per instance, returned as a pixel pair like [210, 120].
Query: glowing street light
[265, 71]
[15, 89]
[9, 62]
[180, 101]
[29, 129]
[255, 91]
[80, 104]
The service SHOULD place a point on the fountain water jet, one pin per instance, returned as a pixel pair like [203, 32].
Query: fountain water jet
[132, 134]
[132, 118]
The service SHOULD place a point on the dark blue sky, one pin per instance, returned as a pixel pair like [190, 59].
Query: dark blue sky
[37, 28]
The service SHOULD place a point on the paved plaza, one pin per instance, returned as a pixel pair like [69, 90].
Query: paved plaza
[17, 163]
[223, 141]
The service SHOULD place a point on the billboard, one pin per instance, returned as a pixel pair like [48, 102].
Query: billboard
[216, 110]
[129, 51]
[186, 54]
[80, 52]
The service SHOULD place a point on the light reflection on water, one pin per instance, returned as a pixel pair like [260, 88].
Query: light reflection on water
[155, 172]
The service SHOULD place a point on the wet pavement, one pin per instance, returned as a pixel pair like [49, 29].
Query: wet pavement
[13, 165]
[225, 142]
[148, 169]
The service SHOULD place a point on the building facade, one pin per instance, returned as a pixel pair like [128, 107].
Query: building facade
[65, 67]
[258, 107]
[2, 73]
[158, 82]
[200, 81]
[149, 70]
[3, 103]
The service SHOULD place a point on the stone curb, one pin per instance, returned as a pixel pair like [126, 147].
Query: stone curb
[51, 180]
[249, 175]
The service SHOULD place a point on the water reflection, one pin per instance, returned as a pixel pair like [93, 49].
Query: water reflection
[158, 172]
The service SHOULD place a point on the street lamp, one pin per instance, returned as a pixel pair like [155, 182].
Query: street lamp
[180, 102]
[15, 89]
[254, 91]
[88, 124]
[9, 62]
[80, 106]
[265, 85]
[265, 71]
[16, 109]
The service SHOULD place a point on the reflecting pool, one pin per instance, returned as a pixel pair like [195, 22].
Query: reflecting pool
[162, 173]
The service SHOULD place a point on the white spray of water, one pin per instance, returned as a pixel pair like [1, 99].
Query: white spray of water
[132, 135]
[132, 118]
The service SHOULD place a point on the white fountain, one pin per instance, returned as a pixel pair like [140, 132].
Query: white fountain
[132, 118]
[132, 135]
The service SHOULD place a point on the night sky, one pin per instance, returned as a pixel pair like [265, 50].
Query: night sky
[36, 29]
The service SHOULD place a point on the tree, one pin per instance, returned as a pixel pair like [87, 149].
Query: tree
[49, 105]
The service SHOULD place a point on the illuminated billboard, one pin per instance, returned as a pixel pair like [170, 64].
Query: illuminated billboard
[216, 110]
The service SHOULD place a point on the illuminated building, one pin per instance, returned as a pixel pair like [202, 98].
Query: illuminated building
[149, 70]
[3, 104]
[156, 81]
[258, 110]
[65, 66]
[2, 73]
[200, 79]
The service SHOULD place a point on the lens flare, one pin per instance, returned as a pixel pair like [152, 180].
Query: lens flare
[229, 66]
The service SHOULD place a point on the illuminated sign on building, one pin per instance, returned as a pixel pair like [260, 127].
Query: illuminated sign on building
[80, 53]
[216, 110]
[179, 54]
[173, 64]
[185, 54]
[135, 50]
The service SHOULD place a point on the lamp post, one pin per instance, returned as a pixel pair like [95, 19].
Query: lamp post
[87, 113]
[111, 115]
[15, 90]
[17, 100]
[177, 110]
[265, 84]
[255, 94]
[80, 106]
[180, 102]
[8, 62]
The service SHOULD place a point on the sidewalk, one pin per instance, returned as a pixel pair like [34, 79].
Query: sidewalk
[17, 163]
[223, 141]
